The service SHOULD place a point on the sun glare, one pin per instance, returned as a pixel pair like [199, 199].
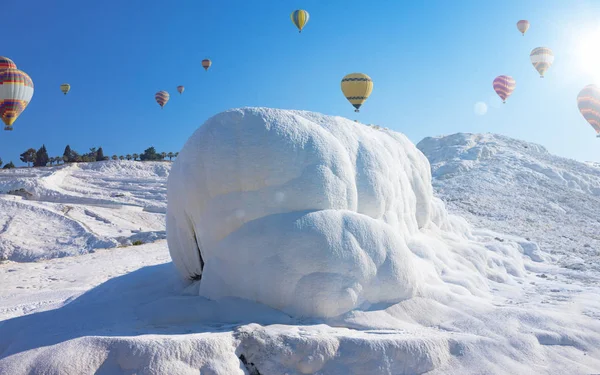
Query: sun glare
[588, 54]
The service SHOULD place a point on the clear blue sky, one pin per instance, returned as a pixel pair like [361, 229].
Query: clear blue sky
[430, 61]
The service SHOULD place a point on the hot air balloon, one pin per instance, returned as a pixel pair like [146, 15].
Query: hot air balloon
[523, 25]
[65, 87]
[299, 18]
[504, 86]
[6, 63]
[588, 102]
[180, 89]
[356, 88]
[206, 63]
[162, 97]
[16, 91]
[542, 58]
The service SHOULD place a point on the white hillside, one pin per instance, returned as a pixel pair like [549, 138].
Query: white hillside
[518, 187]
[74, 209]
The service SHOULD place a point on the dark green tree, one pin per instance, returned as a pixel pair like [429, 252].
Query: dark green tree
[128, 157]
[135, 156]
[115, 157]
[150, 154]
[28, 156]
[68, 155]
[99, 154]
[41, 157]
[9, 166]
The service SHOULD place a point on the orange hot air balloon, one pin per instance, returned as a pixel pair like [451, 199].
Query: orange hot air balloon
[206, 63]
[504, 86]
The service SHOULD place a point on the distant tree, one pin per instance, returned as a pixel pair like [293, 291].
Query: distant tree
[9, 166]
[68, 155]
[115, 157]
[128, 157]
[41, 157]
[163, 155]
[177, 154]
[50, 160]
[28, 156]
[135, 156]
[0, 161]
[150, 154]
[100, 154]
[121, 157]
[170, 155]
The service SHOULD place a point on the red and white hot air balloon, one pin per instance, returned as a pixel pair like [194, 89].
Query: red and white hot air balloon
[588, 102]
[162, 97]
[504, 86]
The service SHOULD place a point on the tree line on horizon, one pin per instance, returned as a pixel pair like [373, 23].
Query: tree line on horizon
[40, 158]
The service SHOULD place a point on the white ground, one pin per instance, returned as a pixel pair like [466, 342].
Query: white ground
[493, 303]
[74, 209]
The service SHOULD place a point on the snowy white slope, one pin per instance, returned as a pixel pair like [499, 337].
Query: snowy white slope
[482, 302]
[518, 187]
[74, 209]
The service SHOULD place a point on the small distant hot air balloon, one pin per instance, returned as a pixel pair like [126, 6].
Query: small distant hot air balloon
[162, 97]
[523, 25]
[180, 89]
[356, 88]
[504, 86]
[65, 87]
[16, 91]
[6, 63]
[588, 102]
[542, 58]
[206, 63]
[299, 18]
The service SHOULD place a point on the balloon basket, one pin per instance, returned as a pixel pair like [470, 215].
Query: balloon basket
[356, 110]
[8, 128]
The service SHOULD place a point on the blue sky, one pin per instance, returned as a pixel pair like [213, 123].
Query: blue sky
[431, 62]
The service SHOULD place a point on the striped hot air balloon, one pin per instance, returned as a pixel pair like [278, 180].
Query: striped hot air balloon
[16, 91]
[542, 58]
[206, 63]
[6, 63]
[65, 87]
[180, 89]
[356, 88]
[523, 26]
[299, 18]
[588, 102]
[162, 97]
[504, 86]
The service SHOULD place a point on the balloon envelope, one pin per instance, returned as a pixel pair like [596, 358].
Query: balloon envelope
[180, 89]
[162, 97]
[300, 18]
[206, 63]
[65, 87]
[16, 91]
[588, 102]
[542, 58]
[356, 88]
[523, 26]
[6, 63]
[504, 86]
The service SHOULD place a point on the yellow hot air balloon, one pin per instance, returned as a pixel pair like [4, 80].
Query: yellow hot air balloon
[356, 88]
[65, 87]
[299, 18]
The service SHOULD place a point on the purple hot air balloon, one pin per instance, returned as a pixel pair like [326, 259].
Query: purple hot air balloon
[504, 86]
